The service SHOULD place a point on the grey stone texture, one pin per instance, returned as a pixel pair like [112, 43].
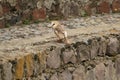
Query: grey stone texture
[14, 11]
[68, 62]
[32, 52]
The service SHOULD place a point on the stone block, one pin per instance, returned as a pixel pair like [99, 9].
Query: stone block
[110, 71]
[90, 75]
[113, 46]
[103, 7]
[19, 69]
[117, 67]
[116, 6]
[2, 23]
[79, 73]
[6, 8]
[26, 14]
[17, 5]
[53, 58]
[40, 63]
[1, 72]
[102, 47]
[100, 72]
[74, 8]
[54, 77]
[88, 9]
[66, 75]
[29, 65]
[83, 51]
[94, 47]
[7, 71]
[1, 11]
[39, 14]
[69, 55]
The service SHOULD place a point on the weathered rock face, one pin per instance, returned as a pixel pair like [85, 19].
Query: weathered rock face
[97, 58]
[53, 60]
[79, 73]
[116, 6]
[113, 46]
[14, 11]
[104, 7]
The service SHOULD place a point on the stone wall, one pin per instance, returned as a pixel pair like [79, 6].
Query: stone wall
[97, 58]
[14, 11]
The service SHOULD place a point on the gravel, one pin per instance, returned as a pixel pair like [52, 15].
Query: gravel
[32, 30]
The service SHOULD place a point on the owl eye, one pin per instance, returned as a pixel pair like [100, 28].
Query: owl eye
[53, 24]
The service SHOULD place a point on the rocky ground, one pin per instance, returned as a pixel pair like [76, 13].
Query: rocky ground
[18, 36]
[23, 56]
[32, 30]
[15, 11]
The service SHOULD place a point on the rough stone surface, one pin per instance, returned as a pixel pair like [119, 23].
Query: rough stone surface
[29, 65]
[54, 77]
[102, 47]
[104, 7]
[94, 48]
[110, 72]
[69, 55]
[79, 73]
[116, 6]
[1, 74]
[2, 23]
[83, 51]
[100, 72]
[31, 52]
[33, 66]
[1, 11]
[113, 46]
[90, 75]
[53, 60]
[19, 69]
[39, 63]
[39, 14]
[117, 66]
[66, 75]
[7, 71]
[54, 9]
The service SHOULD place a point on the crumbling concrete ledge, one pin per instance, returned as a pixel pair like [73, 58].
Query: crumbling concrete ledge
[92, 58]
